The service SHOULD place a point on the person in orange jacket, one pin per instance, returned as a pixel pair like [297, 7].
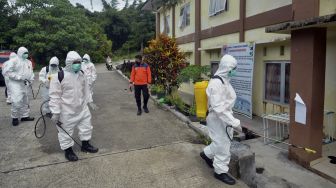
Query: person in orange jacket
[141, 77]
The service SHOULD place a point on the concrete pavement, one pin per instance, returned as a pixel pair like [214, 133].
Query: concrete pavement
[154, 150]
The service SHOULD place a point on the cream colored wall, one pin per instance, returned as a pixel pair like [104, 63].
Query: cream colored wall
[206, 56]
[220, 41]
[188, 88]
[273, 53]
[225, 17]
[254, 7]
[189, 29]
[330, 80]
[189, 47]
[327, 7]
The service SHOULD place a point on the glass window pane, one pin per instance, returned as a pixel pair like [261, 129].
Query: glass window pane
[287, 83]
[273, 82]
[187, 14]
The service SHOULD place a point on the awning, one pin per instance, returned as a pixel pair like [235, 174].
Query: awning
[210, 48]
[287, 27]
[188, 51]
[277, 39]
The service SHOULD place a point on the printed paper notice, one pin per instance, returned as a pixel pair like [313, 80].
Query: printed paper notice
[300, 110]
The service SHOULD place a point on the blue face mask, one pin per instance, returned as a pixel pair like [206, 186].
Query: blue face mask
[232, 73]
[76, 67]
[25, 56]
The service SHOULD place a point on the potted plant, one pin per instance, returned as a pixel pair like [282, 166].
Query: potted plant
[160, 91]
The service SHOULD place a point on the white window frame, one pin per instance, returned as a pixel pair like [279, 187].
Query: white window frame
[282, 82]
[217, 6]
[184, 16]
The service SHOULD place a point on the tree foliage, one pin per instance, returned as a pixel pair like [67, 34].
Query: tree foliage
[54, 27]
[8, 21]
[128, 28]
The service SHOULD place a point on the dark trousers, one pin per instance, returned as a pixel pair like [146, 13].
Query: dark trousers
[137, 93]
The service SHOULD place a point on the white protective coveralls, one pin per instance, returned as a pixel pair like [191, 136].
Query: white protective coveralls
[6, 65]
[19, 71]
[221, 100]
[69, 100]
[90, 71]
[45, 78]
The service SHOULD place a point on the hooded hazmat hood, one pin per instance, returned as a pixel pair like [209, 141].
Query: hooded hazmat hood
[21, 51]
[72, 56]
[54, 61]
[227, 63]
[86, 56]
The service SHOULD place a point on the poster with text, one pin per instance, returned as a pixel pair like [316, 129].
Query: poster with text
[243, 80]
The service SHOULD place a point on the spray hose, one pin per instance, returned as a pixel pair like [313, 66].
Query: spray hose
[308, 150]
[32, 90]
[59, 124]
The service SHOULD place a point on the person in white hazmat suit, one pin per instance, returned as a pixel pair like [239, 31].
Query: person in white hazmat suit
[221, 100]
[46, 75]
[89, 71]
[69, 100]
[20, 73]
[6, 65]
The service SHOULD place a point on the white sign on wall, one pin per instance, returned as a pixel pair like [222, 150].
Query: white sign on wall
[243, 81]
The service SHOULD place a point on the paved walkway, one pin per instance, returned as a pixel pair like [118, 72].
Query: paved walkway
[154, 150]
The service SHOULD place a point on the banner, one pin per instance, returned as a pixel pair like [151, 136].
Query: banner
[243, 81]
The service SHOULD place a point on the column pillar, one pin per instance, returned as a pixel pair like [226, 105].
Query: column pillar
[308, 62]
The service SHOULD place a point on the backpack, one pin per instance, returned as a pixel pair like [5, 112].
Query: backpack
[215, 77]
[218, 77]
[47, 69]
[61, 75]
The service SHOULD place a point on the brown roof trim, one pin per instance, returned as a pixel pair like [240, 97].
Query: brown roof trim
[279, 15]
[322, 21]
[228, 28]
[186, 39]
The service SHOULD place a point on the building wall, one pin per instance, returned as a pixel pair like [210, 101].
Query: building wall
[269, 40]
[254, 7]
[225, 17]
[330, 81]
[273, 53]
[189, 29]
[327, 7]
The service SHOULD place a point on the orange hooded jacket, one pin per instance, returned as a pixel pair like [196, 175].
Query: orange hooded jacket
[141, 74]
